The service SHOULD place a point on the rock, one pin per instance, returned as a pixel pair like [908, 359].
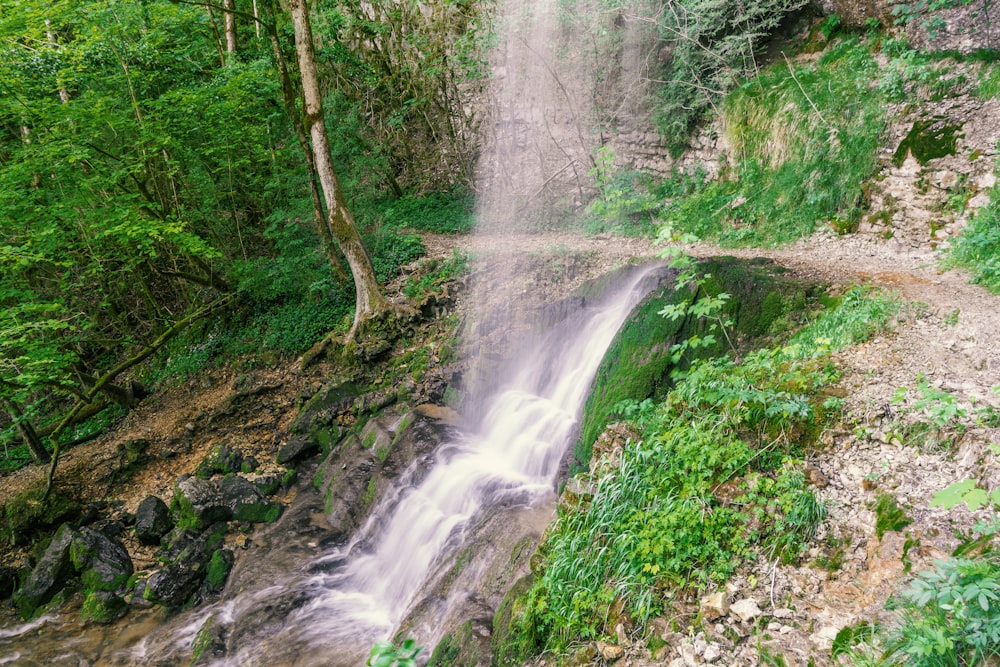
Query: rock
[152, 521]
[173, 584]
[8, 582]
[746, 609]
[609, 652]
[201, 503]
[298, 447]
[438, 413]
[103, 607]
[218, 570]
[246, 503]
[198, 503]
[823, 638]
[54, 568]
[688, 654]
[221, 459]
[712, 653]
[715, 605]
[103, 563]
[188, 554]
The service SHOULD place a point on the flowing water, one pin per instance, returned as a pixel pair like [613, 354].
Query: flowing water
[328, 609]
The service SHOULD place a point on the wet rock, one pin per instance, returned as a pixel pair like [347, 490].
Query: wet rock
[103, 607]
[173, 584]
[188, 554]
[298, 447]
[152, 521]
[218, 570]
[48, 577]
[8, 582]
[103, 563]
[746, 609]
[715, 605]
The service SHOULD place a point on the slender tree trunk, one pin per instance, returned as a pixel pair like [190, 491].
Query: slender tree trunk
[230, 25]
[369, 300]
[288, 94]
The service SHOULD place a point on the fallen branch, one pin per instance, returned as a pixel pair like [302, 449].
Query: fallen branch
[110, 376]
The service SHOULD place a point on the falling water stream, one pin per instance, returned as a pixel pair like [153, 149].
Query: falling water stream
[333, 602]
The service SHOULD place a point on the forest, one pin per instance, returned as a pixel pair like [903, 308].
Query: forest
[193, 189]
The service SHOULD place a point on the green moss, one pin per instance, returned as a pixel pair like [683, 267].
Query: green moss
[927, 140]
[25, 516]
[262, 512]
[218, 568]
[889, 516]
[459, 649]
[513, 645]
[289, 478]
[370, 492]
[103, 607]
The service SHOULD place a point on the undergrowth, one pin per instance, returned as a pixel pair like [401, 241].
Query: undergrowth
[715, 481]
[978, 247]
[803, 139]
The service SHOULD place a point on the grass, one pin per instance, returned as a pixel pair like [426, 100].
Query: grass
[803, 139]
[715, 481]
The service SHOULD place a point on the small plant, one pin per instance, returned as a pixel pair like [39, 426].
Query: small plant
[387, 654]
[889, 516]
[941, 407]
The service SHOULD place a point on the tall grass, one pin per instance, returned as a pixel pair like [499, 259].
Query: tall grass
[802, 139]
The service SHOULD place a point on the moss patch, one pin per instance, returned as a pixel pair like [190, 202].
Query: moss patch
[927, 140]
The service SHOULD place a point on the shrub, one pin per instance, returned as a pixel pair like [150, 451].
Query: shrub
[978, 248]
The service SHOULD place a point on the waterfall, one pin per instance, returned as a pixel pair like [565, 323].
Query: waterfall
[512, 457]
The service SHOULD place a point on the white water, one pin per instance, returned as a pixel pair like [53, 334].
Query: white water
[363, 590]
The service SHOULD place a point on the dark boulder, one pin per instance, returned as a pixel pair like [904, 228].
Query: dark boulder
[103, 607]
[152, 520]
[201, 503]
[189, 554]
[222, 459]
[50, 574]
[103, 563]
[8, 582]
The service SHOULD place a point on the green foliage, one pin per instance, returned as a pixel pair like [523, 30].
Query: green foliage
[978, 247]
[889, 516]
[940, 406]
[713, 482]
[387, 654]
[713, 47]
[859, 314]
[623, 203]
[803, 140]
[448, 212]
[435, 273]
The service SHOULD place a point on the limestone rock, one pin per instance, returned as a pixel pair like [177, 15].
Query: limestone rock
[746, 609]
[715, 605]
[609, 652]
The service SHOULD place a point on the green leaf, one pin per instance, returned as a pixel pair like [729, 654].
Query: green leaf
[954, 494]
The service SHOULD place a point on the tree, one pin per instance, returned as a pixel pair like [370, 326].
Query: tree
[369, 301]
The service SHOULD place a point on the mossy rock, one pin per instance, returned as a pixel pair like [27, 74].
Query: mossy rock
[49, 576]
[512, 647]
[103, 607]
[103, 563]
[638, 363]
[26, 516]
[928, 139]
[221, 459]
[465, 647]
[218, 569]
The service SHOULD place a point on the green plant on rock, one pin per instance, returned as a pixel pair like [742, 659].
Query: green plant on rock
[387, 654]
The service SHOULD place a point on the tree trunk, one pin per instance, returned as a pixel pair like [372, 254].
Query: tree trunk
[369, 300]
[35, 447]
[289, 96]
[230, 25]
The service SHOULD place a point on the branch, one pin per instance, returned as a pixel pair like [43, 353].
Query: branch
[110, 376]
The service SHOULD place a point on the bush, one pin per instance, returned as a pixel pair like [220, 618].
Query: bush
[978, 248]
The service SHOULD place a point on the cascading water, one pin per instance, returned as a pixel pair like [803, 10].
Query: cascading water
[328, 610]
